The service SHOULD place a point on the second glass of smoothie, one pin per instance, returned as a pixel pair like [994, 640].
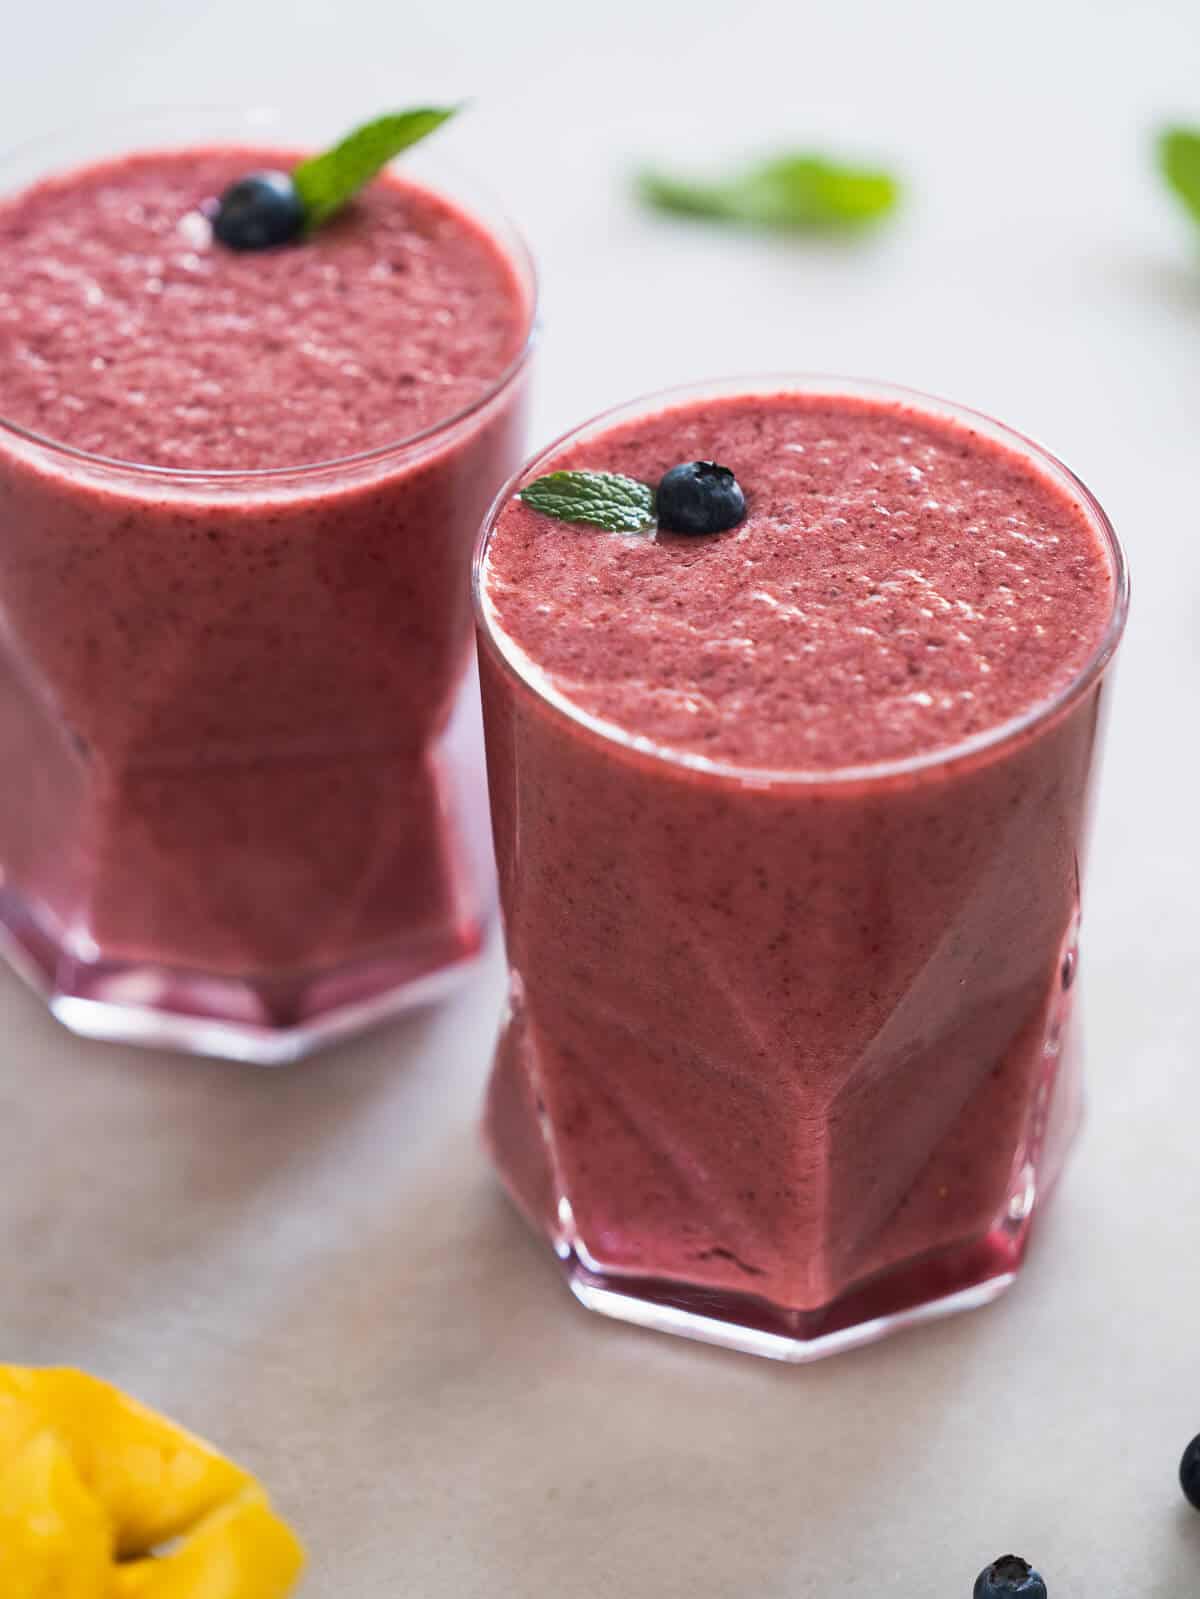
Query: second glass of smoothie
[790, 823]
[238, 492]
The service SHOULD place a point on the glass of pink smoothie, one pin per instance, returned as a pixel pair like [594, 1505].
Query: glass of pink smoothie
[241, 809]
[790, 824]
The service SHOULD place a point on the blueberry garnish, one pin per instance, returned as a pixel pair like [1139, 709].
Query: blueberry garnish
[1010, 1577]
[258, 212]
[1189, 1473]
[699, 497]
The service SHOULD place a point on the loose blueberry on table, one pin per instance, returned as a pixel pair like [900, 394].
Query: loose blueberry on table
[699, 497]
[1189, 1472]
[1010, 1577]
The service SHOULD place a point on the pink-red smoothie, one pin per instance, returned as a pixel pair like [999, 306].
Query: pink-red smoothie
[227, 673]
[791, 919]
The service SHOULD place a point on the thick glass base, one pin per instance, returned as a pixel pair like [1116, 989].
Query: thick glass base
[961, 1280]
[927, 1266]
[372, 897]
[963, 1277]
[267, 1022]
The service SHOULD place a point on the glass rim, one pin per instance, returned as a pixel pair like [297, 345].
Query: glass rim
[988, 741]
[513, 246]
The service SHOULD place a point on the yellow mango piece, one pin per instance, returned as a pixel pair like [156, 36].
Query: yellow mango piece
[55, 1540]
[154, 1479]
[242, 1551]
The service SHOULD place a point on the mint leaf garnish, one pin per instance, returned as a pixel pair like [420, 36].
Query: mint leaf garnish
[605, 499]
[1179, 158]
[789, 191]
[326, 182]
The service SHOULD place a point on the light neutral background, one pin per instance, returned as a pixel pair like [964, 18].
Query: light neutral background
[314, 1267]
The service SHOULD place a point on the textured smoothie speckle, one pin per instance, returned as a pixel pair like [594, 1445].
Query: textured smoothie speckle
[127, 331]
[899, 584]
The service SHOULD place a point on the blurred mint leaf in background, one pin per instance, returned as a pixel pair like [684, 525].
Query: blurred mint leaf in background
[789, 191]
[605, 499]
[326, 182]
[1179, 158]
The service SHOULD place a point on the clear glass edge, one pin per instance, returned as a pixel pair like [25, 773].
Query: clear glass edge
[989, 741]
[266, 118]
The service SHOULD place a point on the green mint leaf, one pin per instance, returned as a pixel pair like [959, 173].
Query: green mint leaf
[605, 499]
[326, 182]
[790, 191]
[1179, 158]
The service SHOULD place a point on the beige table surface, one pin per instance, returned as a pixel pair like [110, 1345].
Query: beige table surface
[314, 1266]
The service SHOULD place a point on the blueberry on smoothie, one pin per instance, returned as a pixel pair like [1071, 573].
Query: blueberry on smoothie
[265, 209]
[259, 212]
[699, 497]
